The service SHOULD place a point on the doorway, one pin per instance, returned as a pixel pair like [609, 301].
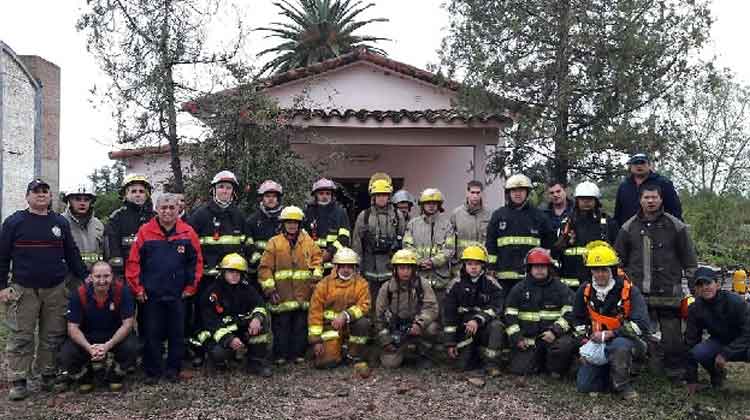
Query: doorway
[353, 194]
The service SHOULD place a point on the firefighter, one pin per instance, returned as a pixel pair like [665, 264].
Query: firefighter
[403, 201]
[535, 311]
[472, 314]
[264, 223]
[220, 225]
[586, 223]
[338, 313]
[378, 233]
[87, 229]
[123, 225]
[470, 222]
[609, 309]
[431, 237]
[656, 253]
[235, 320]
[326, 221]
[290, 267]
[406, 315]
[515, 229]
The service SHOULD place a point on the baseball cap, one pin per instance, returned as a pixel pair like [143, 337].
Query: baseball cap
[638, 158]
[36, 184]
[704, 275]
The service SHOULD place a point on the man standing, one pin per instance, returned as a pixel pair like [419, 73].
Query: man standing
[263, 224]
[40, 248]
[326, 221]
[403, 201]
[559, 206]
[656, 251]
[164, 267]
[87, 230]
[627, 200]
[470, 222]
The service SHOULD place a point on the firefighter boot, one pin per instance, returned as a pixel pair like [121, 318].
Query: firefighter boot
[331, 356]
[85, 379]
[620, 362]
[116, 377]
[260, 367]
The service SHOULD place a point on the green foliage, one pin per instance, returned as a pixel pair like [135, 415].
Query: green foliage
[317, 30]
[107, 181]
[105, 204]
[586, 78]
[719, 226]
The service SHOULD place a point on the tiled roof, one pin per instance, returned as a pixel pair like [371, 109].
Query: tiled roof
[428, 115]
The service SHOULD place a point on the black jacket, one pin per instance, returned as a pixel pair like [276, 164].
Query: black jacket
[261, 227]
[221, 232]
[223, 304]
[121, 229]
[554, 219]
[627, 202]
[533, 307]
[480, 300]
[725, 318]
[582, 228]
[328, 225]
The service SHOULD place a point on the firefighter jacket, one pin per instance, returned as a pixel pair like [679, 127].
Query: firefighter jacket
[480, 299]
[511, 233]
[671, 253]
[261, 226]
[221, 232]
[432, 238]
[331, 297]
[290, 269]
[328, 225]
[620, 307]
[121, 229]
[533, 307]
[227, 310]
[88, 234]
[469, 228]
[378, 233]
[576, 232]
[726, 318]
[400, 304]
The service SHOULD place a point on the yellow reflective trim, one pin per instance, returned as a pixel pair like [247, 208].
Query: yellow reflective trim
[260, 310]
[283, 274]
[260, 244]
[490, 353]
[377, 276]
[492, 259]
[570, 281]
[529, 341]
[465, 342]
[301, 275]
[255, 257]
[549, 315]
[513, 329]
[449, 330]
[315, 330]
[344, 232]
[321, 243]
[317, 273]
[565, 309]
[268, 284]
[518, 240]
[563, 324]
[575, 251]
[329, 315]
[509, 275]
[490, 312]
[221, 332]
[331, 237]
[355, 312]
[260, 338]
[511, 311]
[115, 262]
[337, 245]
[288, 306]
[127, 240]
[327, 265]
[203, 336]
[90, 257]
[529, 316]
[355, 339]
[223, 240]
[329, 335]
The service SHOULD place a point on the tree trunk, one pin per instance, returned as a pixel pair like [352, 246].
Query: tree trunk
[169, 102]
[561, 164]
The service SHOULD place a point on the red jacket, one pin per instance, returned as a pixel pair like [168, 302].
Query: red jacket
[165, 264]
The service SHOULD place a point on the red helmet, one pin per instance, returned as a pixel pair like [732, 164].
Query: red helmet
[538, 256]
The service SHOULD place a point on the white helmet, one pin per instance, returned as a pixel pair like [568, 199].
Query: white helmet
[518, 181]
[225, 176]
[587, 189]
[323, 184]
[83, 189]
[270, 186]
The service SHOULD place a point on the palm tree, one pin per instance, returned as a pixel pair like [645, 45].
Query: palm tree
[319, 30]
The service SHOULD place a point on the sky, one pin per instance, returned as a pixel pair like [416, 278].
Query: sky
[416, 27]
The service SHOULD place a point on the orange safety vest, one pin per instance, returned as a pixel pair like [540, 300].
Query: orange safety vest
[601, 322]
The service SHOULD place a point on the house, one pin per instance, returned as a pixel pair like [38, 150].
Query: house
[381, 116]
[29, 126]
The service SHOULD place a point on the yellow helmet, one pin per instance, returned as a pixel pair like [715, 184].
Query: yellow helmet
[474, 253]
[381, 186]
[431, 194]
[518, 181]
[346, 256]
[292, 213]
[600, 254]
[404, 257]
[135, 179]
[233, 261]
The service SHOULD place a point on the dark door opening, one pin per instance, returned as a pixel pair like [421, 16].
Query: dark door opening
[353, 194]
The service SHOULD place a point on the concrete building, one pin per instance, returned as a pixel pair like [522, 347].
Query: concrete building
[29, 126]
[381, 116]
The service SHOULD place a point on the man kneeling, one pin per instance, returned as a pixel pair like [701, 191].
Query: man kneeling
[100, 320]
[338, 310]
[235, 321]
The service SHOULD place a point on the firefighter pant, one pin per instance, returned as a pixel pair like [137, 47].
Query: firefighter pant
[704, 353]
[485, 346]
[164, 321]
[670, 354]
[412, 348]
[612, 376]
[73, 358]
[193, 322]
[555, 358]
[355, 335]
[289, 334]
[27, 308]
[375, 286]
[257, 353]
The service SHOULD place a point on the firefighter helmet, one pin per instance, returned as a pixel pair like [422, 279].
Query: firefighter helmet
[233, 261]
[270, 186]
[292, 213]
[323, 184]
[600, 254]
[431, 195]
[404, 257]
[402, 196]
[517, 181]
[345, 256]
[538, 256]
[474, 253]
[588, 189]
[381, 186]
[225, 176]
[135, 179]
[82, 189]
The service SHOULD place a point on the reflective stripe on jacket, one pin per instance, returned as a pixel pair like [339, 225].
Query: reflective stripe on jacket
[331, 297]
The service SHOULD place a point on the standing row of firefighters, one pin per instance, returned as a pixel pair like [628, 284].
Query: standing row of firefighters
[472, 286]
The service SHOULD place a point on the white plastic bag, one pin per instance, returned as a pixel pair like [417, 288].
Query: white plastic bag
[594, 353]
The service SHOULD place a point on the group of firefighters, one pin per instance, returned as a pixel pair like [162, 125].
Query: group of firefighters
[565, 290]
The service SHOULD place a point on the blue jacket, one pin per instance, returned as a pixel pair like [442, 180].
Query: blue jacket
[628, 202]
